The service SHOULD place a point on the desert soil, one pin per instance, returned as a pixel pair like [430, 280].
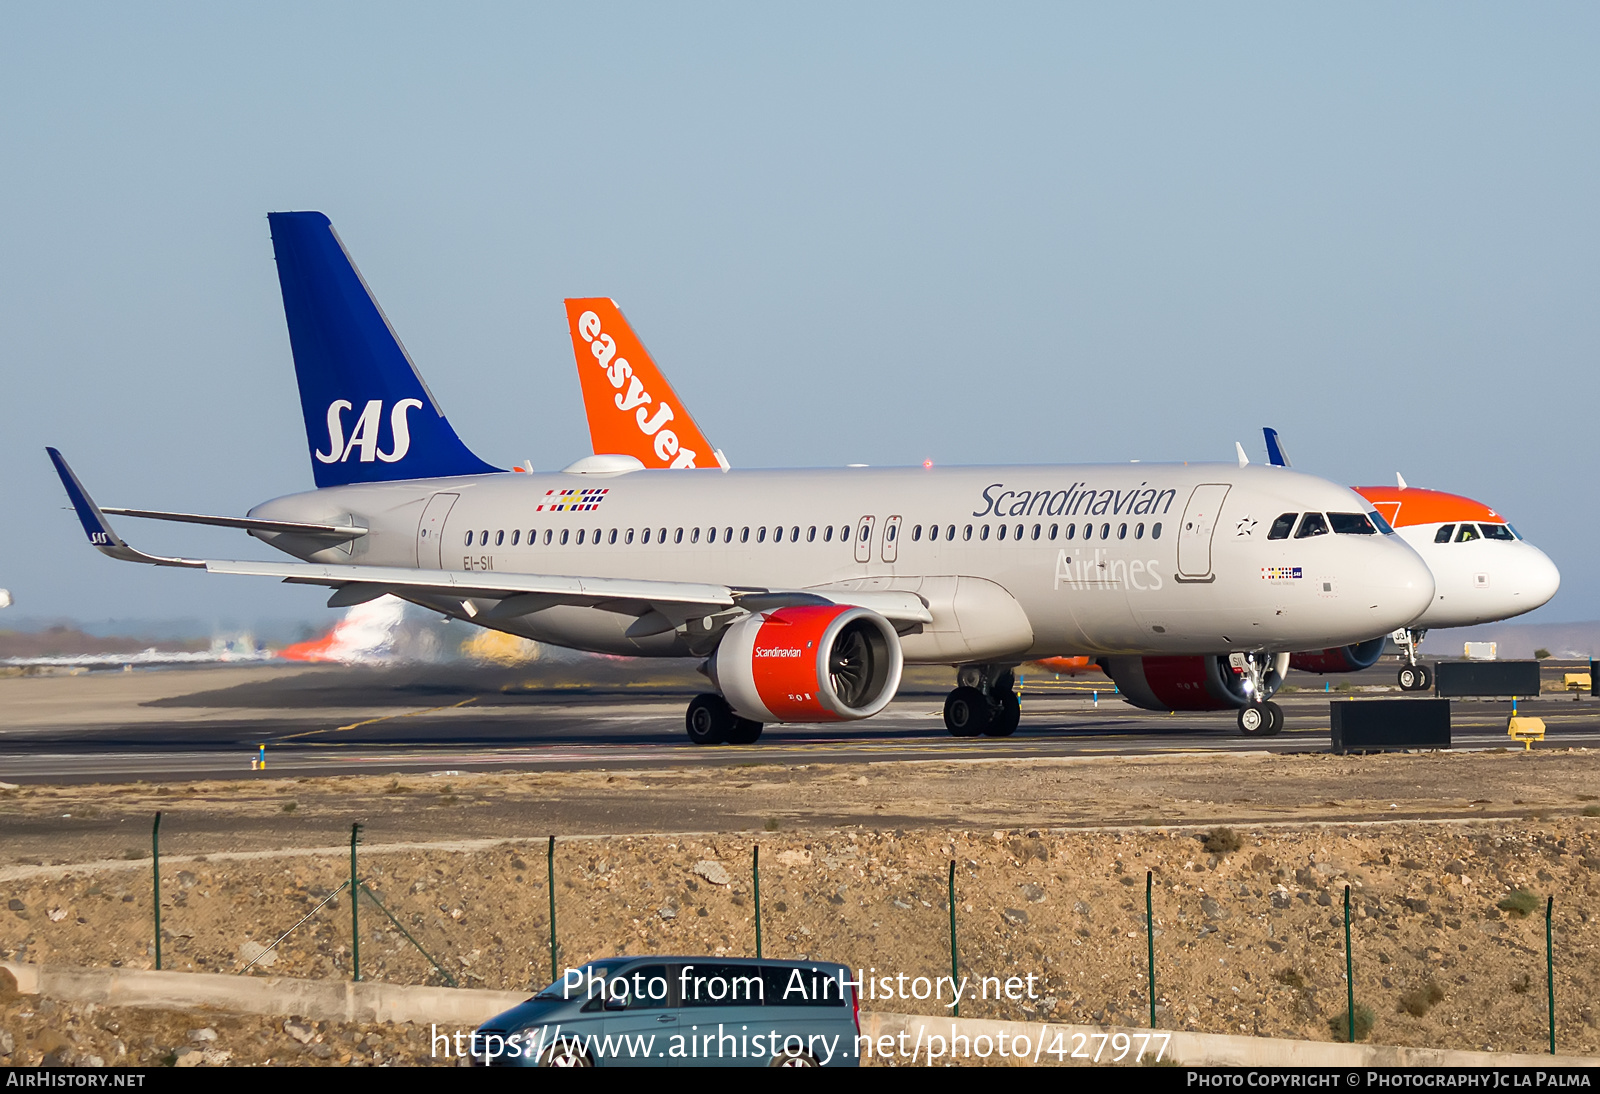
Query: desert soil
[1051, 864]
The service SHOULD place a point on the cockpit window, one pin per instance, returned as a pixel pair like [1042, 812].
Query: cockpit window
[1468, 533]
[1383, 525]
[1443, 534]
[1351, 524]
[1497, 531]
[1514, 531]
[1282, 526]
[1312, 524]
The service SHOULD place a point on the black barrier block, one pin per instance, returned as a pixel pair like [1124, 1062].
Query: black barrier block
[1594, 677]
[1453, 679]
[1383, 725]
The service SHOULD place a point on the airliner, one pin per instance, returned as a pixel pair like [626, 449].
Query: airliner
[1479, 585]
[804, 591]
[1483, 570]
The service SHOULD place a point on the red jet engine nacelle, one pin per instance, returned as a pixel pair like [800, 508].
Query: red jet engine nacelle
[808, 663]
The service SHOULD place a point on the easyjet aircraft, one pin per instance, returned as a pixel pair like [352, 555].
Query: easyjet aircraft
[1483, 570]
[805, 591]
[632, 410]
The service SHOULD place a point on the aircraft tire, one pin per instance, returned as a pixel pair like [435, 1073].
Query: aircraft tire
[1277, 719]
[1007, 716]
[710, 720]
[1426, 680]
[744, 732]
[1255, 720]
[1410, 676]
[967, 712]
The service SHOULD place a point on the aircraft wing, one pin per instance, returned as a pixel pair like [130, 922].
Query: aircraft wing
[658, 606]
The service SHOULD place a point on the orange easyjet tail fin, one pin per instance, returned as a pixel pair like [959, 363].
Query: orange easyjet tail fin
[632, 409]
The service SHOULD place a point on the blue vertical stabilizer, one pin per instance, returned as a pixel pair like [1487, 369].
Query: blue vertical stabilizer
[369, 417]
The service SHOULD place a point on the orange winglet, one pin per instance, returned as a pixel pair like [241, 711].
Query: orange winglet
[632, 409]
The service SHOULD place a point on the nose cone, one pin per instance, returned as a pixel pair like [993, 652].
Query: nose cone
[1534, 578]
[1398, 584]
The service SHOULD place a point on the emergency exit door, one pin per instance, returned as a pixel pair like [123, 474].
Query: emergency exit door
[864, 539]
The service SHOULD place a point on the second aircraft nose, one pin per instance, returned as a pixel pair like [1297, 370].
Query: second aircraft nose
[1399, 584]
[1534, 578]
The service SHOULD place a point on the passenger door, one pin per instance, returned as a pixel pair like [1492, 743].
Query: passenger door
[1194, 534]
[430, 531]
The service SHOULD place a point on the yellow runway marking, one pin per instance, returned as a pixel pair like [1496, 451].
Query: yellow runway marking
[385, 718]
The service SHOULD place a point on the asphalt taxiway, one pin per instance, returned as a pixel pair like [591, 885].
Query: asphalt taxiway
[194, 723]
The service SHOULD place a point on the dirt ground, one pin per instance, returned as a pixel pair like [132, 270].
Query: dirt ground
[1249, 938]
[35, 1031]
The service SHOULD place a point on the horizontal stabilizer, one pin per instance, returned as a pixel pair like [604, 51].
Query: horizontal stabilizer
[337, 533]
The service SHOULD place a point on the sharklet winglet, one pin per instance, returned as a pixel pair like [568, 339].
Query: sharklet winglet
[102, 537]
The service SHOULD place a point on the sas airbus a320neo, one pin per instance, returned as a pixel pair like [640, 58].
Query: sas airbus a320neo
[805, 591]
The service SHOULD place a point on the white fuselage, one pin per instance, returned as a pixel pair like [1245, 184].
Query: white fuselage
[1176, 560]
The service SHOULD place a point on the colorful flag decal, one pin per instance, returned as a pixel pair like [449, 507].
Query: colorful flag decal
[574, 500]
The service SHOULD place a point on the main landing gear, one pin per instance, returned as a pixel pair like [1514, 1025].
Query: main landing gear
[1258, 717]
[1414, 676]
[984, 704]
[711, 721]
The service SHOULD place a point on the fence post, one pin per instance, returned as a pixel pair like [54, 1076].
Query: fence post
[955, 972]
[755, 877]
[1550, 966]
[1349, 972]
[550, 870]
[155, 867]
[355, 904]
[1150, 937]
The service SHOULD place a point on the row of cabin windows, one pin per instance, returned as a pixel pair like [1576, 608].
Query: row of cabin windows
[1038, 531]
[1470, 532]
[711, 535]
[658, 535]
[1320, 524]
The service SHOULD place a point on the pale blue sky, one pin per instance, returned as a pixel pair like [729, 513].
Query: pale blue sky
[849, 233]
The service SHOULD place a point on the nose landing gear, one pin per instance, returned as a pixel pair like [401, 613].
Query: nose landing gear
[1414, 676]
[1259, 717]
[1261, 720]
[984, 705]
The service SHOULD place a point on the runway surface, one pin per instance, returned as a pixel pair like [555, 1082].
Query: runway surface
[176, 724]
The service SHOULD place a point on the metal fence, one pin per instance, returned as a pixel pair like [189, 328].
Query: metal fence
[1356, 1019]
